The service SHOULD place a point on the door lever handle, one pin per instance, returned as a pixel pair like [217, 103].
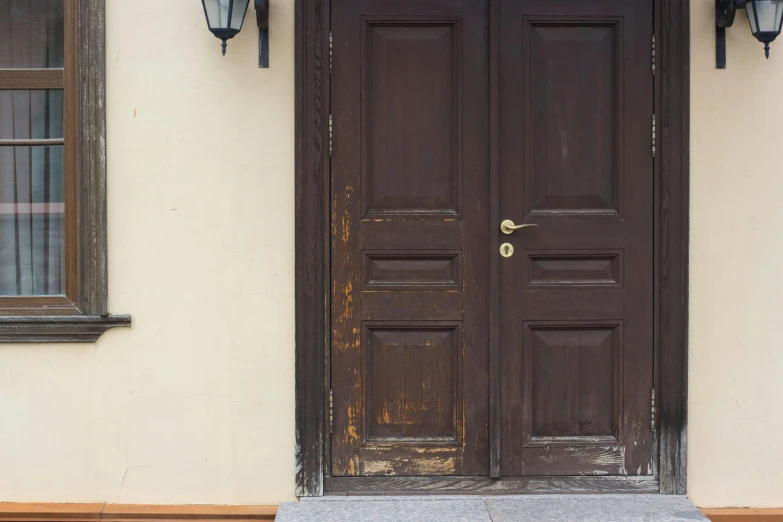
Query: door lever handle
[508, 226]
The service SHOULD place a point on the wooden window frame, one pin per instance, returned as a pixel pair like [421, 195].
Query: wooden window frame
[672, 184]
[81, 314]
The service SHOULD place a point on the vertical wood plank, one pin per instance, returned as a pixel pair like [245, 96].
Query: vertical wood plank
[72, 132]
[94, 237]
[674, 209]
[311, 69]
[494, 223]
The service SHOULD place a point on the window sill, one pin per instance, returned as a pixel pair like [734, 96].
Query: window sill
[58, 329]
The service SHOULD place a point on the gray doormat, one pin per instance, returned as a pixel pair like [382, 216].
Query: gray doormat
[530, 508]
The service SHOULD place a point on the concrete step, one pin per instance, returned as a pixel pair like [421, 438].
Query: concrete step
[529, 508]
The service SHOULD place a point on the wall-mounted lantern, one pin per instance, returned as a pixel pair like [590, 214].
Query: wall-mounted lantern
[765, 17]
[225, 17]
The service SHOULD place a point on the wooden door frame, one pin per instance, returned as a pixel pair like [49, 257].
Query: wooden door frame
[672, 99]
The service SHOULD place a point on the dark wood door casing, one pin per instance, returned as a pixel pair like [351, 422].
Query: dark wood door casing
[314, 279]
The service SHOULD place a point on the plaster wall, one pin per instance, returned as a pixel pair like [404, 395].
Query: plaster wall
[195, 403]
[735, 446]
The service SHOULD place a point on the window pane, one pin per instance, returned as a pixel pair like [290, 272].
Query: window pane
[31, 34]
[32, 221]
[31, 114]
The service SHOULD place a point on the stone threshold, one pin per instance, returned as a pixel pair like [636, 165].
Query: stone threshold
[526, 508]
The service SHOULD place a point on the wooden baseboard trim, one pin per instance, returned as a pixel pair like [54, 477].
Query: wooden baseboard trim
[38, 512]
[744, 514]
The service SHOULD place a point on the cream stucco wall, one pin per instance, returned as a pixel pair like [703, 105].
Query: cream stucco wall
[736, 281]
[195, 403]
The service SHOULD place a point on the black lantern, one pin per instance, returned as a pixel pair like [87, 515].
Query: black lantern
[765, 17]
[225, 17]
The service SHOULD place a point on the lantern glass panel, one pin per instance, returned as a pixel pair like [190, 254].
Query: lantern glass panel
[751, 10]
[214, 10]
[238, 14]
[217, 13]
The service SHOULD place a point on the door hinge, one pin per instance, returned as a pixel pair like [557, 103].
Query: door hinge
[653, 54]
[331, 135]
[331, 411]
[652, 409]
[653, 135]
[330, 52]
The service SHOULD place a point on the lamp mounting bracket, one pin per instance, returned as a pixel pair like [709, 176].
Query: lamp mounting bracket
[262, 18]
[725, 10]
[262, 13]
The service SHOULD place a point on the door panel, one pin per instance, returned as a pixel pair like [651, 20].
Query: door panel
[411, 172]
[576, 297]
[409, 105]
[412, 383]
[573, 130]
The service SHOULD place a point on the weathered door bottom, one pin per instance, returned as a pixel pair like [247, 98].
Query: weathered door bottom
[487, 486]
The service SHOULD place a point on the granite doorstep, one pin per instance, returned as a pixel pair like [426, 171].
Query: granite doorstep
[593, 508]
[468, 510]
[529, 508]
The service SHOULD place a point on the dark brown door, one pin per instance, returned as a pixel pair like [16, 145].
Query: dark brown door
[409, 358]
[576, 298]
[410, 257]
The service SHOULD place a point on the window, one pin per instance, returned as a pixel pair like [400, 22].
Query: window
[52, 172]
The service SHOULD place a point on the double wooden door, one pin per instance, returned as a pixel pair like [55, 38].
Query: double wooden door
[442, 128]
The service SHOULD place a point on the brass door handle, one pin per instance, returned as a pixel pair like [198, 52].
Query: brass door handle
[508, 226]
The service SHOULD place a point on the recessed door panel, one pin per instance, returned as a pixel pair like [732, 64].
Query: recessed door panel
[413, 377]
[412, 118]
[572, 388]
[570, 268]
[574, 128]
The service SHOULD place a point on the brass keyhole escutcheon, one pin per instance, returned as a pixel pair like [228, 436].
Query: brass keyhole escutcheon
[506, 250]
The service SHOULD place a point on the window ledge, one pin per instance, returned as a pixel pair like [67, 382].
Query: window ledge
[58, 329]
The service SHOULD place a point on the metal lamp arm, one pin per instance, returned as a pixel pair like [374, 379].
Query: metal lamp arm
[725, 10]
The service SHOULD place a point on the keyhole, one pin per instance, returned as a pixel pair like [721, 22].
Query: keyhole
[506, 250]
